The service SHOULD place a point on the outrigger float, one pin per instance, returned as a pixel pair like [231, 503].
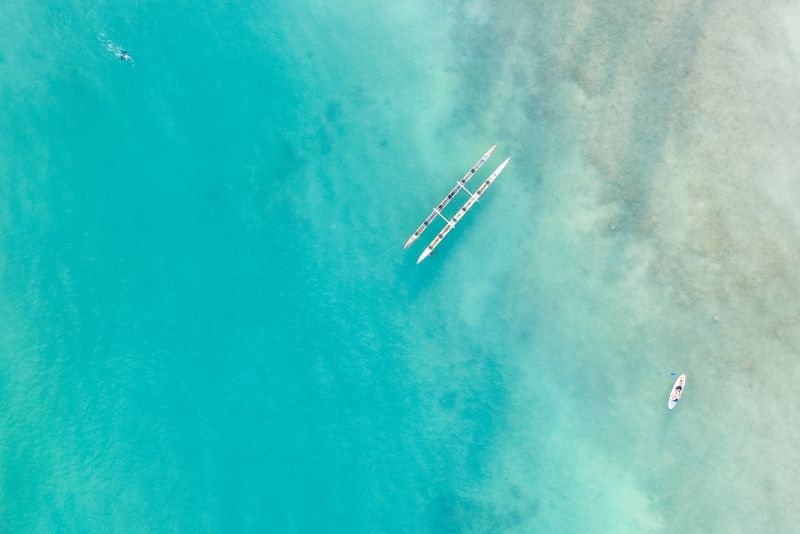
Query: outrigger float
[473, 198]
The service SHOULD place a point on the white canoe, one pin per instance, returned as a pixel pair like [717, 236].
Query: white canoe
[677, 391]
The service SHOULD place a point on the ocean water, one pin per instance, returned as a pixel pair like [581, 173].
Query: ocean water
[208, 323]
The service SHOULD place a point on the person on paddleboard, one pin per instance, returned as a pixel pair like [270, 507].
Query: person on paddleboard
[676, 396]
[676, 392]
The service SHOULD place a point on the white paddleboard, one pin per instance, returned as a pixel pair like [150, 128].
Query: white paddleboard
[677, 391]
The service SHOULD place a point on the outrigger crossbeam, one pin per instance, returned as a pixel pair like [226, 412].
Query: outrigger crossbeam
[464, 188]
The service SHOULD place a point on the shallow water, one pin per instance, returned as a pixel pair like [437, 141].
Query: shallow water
[209, 323]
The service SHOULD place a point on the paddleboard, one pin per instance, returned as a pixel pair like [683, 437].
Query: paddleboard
[677, 391]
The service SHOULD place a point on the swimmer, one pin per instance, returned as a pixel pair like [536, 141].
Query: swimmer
[123, 55]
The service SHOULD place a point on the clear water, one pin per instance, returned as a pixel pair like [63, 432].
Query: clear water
[208, 323]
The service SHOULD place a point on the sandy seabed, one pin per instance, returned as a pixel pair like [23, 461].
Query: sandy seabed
[678, 238]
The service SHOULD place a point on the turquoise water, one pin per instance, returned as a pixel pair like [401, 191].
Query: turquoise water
[209, 323]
